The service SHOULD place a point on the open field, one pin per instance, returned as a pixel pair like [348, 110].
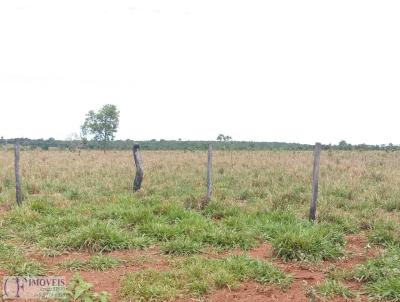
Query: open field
[252, 243]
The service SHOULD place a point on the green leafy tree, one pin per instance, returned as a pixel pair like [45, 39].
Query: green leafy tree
[102, 125]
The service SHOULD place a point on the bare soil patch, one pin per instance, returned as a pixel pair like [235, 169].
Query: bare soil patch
[357, 252]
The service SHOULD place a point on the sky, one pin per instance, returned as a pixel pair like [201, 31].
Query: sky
[294, 71]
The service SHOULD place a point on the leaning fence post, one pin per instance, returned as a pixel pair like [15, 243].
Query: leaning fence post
[137, 183]
[18, 183]
[313, 207]
[209, 177]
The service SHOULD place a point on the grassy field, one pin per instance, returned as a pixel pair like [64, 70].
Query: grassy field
[252, 242]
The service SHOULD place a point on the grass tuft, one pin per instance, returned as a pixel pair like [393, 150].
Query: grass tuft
[181, 246]
[311, 243]
[95, 263]
[333, 288]
[99, 237]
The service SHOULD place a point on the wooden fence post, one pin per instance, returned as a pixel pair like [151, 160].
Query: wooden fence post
[209, 177]
[18, 183]
[313, 207]
[137, 183]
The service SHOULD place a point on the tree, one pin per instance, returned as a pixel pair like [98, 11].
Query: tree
[75, 142]
[224, 138]
[102, 125]
[343, 145]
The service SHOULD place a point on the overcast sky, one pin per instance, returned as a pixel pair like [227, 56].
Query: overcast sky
[297, 71]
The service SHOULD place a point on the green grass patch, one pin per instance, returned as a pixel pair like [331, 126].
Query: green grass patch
[180, 226]
[333, 288]
[226, 239]
[338, 220]
[181, 246]
[99, 237]
[95, 263]
[151, 285]
[197, 276]
[15, 263]
[218, 210]
[385, 234]
[310, 243]
[136, 224]
[381, 276]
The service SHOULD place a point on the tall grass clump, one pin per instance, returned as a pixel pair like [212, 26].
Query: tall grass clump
[311, 243]
[100, 237]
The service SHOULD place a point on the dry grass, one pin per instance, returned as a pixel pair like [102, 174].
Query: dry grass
[358, 190]
[86, 202]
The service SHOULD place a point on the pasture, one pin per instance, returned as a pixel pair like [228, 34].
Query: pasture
[253, 242]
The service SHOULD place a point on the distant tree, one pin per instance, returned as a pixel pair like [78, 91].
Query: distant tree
[73, 140]
[101, 125]
[4, 143]
[343, 145]
[76, 142]
[228, 138]
[224, 138]
[52, 142]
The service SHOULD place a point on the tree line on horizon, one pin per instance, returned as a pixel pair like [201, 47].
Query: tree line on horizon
[99, 129]
[72, 145]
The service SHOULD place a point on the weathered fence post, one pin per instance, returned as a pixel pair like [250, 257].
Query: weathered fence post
[137, 183]
[313, 207]
[18, 183]
[209, 177]
[209, 172]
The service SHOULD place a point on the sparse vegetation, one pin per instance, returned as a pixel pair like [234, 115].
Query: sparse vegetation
[80, 290]
[382, 275]
[16, 263]
[333, 288]
[95, 263]
[84, 204]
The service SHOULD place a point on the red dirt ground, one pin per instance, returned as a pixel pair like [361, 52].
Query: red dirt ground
[108, 280]
[304, 275]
